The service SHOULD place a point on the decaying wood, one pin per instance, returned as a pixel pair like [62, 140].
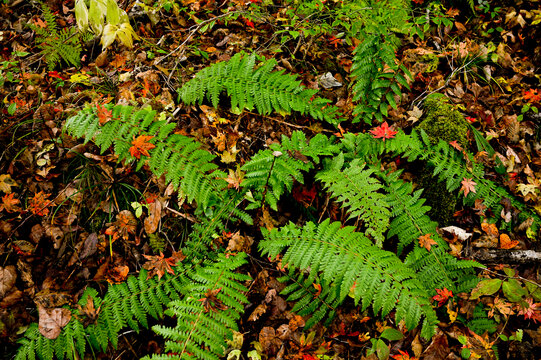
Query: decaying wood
[492, 256]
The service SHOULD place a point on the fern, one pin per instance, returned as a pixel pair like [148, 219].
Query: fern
[274, 171]
[256, 88]
[182, 160]
[55, 44]
[207, 316]
[124, 305]
[436, 268]
[131, 303]
[308, 302]
[377, 78]
[350, 260]
[452, 167]
[360, 191]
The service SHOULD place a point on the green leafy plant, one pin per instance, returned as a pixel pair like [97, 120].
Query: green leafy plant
[392, 260]
[106, 19]
[57, 44]
[256, 88]
[351, 262]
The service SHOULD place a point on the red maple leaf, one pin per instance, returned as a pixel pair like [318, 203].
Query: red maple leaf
[403, 356]
[426, 242]
[443, 296]
[531, 310]
[141, 146]
[249, 23]
[383, 131]
[468, 185]
[104, 115]
[532, 96]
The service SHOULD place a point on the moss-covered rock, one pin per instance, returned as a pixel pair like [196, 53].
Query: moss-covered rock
[442, 122]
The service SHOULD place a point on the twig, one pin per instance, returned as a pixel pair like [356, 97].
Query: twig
[419, 99]
[193, 29]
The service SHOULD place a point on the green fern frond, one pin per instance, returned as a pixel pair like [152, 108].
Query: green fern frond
[260, 88]
[378, 78]
[207, 316]
[452, 167]
[271, 172]
[350, 260]
[183, 161]
[360, 191]
[124, 305]
[301, 290]
[436, 268]
[55, 44]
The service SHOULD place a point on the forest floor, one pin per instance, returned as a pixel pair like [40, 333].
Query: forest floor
[485, 61]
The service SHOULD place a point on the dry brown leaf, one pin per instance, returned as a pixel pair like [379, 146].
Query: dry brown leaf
[154, 215]
[51, 321]
[296, 322]
[8, 276]
[258, 311]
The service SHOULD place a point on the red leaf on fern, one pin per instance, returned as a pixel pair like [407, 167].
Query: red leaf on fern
[383, 131]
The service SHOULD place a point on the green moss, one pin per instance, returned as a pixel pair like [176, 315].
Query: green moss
[442, 122]
[432, 60]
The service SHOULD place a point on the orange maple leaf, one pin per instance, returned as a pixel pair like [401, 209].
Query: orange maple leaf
[9, 203]
[506, 242]
[104, 115]
[468, 185]
[39, 204]
[141, 146]
[426, 242]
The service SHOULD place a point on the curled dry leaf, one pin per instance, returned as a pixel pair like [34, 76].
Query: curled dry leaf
[51, 321]
[258, 311]
[459, 232]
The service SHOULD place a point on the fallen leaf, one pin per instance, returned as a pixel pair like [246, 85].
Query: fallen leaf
[6, 182]
[51, 321]
[383, 131]
[8, 276]
[442, 296]
[490, 229]
[506, 242]
[9, 203]
[159, 265]
[39, 204]
[426, 242]
[118, 274]
[468, 185]
[141, 146]
[258, 311]
[104, 115]
[154, 215]
[415, 114]
[234, 179]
